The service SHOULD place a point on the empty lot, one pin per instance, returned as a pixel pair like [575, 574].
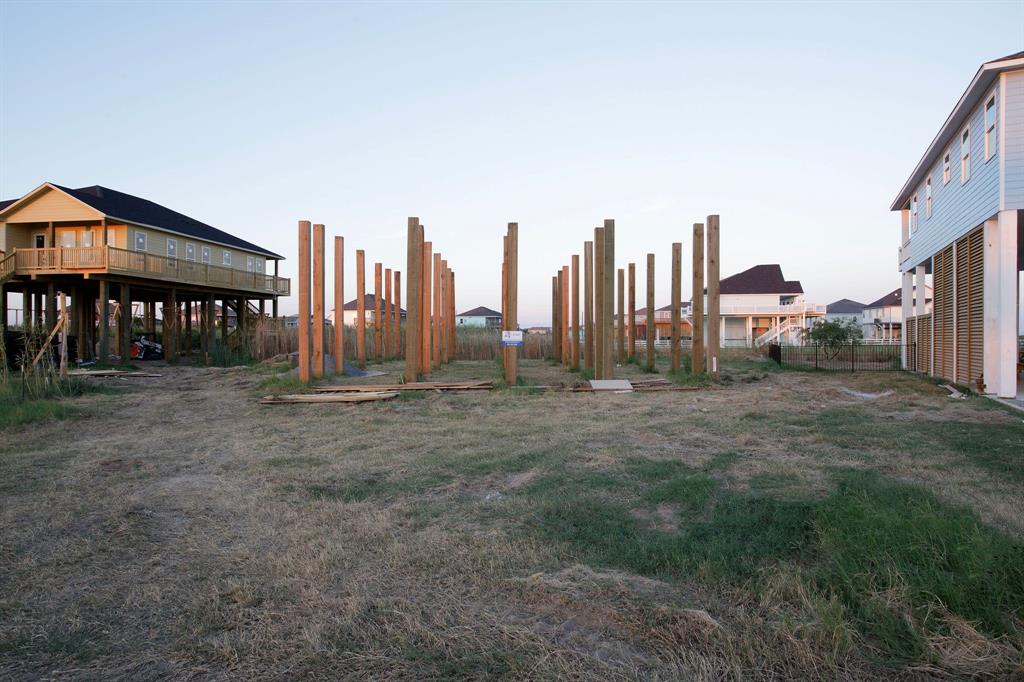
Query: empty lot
[781, 524]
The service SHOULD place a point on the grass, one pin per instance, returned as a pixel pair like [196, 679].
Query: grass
[30, 401]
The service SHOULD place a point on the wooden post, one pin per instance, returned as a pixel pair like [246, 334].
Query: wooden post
[512, 306]
[360, 309]
[697, 308]
[556, 336]
[386, 321]
[305, 359]
[51, 301]
[588, 304]
[632, 310]
[455, 338]
[599, 303]
[620, 318]
[566, 341]
[339, 305]
[64, 335]
[609, 298]
[397, 321]
[125, 324]
[211, 323]
[378, 313]
[435, 322]
[413, 278]
[677, 295]
[303, 349]
[652, 331]
[104, 321]
[425, 309]
[575, 311]
[188, 327]
[446, 326]
[714, 329]
[318, 302]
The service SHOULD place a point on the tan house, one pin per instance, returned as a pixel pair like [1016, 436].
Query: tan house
[97, 244]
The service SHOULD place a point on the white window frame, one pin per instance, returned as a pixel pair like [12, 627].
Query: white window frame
[190, 248]
[990, 127]
[913, 214]
[965, 155]
[928, 198]
[204, 254]
[226, 258]
[250, 264]
[88, 239]
[171, 241]
[259, 265]
[946, 168]
[139, 234]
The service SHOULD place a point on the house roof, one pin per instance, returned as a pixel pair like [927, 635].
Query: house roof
[139, 211]
[369, 301]
[893, 298]
[760, 279]
[977, 89]
[480, 311]
[845, 305]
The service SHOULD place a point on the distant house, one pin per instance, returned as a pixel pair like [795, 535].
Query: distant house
[759, 306]
[882, 320]
[350, 311]
[663, 323]
[291, 321]
[479, 317]
[844, 310]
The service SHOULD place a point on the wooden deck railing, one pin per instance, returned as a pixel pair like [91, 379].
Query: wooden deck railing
[142, 264]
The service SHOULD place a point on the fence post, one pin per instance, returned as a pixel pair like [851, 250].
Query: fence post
[853, 356]
[815, 356]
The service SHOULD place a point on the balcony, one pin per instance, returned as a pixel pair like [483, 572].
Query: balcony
[88, 260]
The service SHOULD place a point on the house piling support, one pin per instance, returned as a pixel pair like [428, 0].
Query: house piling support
[305, 349]
[652, 331]
[714, 299]
[697, 309]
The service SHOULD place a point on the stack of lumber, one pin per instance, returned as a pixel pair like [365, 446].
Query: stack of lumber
[472, 385]
[326, 398]
[110, 373]
[659, 384]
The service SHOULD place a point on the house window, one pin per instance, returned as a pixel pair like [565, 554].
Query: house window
[227, 258]
[140, 241]
[913, 214]
[205, 254]
[928, 198]
[250, 264]
[190, 251]
[965, 156]
[87, 239]
[67, 239]
[259, 265]
[172, 248]
[990, 128]
[945, 169]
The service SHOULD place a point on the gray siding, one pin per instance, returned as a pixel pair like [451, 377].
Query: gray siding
[957, 209]
[1014, 127]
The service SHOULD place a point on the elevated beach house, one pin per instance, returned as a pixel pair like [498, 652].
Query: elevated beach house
[759, 306]
[95, 244]
[960, 213]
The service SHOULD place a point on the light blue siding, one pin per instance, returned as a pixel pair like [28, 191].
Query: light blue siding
[957, 208]
[1014, 127]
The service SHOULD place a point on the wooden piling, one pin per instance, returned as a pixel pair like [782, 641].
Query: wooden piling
[305, 349]
[512, 305]
[388, 311]
[620, 319]
[125, 324]
[360, 308]
[632, 311]
[378, 313]
[104, 320]
[575, 311]
[412, 273]
[652, 330]
[556, 337]
[588, 304]
[444, 312]
[339, 305]
[566, 341]
[318, 302]
[451, 317]
[677, 295]
[425, 310]
[599, 303]
[608, 298]
[714, 307]
[397, 321]
[697, 308]
[435, 322]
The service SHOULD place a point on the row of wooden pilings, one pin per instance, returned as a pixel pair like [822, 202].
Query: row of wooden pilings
[608, 336]
[430, 321]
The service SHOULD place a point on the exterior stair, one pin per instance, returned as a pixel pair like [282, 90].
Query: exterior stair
[787, 326]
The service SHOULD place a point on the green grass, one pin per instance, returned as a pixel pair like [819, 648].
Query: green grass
[867, 540]
[43, 399]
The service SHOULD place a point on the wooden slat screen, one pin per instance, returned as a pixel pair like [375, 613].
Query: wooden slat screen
[924, 343]
[969, 308]
[942, 311]
[976, 244]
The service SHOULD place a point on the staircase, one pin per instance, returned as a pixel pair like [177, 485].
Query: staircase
[6, 268]
[787, 326]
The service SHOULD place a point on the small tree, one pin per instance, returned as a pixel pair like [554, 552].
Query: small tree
[834, 333]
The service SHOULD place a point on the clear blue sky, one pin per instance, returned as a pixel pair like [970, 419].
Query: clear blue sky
[798, 123]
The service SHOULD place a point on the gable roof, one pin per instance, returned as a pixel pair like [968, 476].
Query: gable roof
[760, 279]
[845, 305]
[977, 89]
[894, 298]
[139, 211]
[480, 311]
[369, 301]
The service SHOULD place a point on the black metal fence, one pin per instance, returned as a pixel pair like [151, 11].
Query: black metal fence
[848, 357]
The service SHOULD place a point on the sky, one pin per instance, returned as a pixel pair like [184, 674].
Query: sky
[797, 123]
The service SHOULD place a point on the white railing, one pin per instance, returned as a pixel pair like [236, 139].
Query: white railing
[788, 309]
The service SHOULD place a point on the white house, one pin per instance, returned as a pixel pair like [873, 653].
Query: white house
[350, 311]
[960, 213]
[844, 310]
[882, 320]
[759, 306]
[479, 317]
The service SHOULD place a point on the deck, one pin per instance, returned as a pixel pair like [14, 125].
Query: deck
[93, 260]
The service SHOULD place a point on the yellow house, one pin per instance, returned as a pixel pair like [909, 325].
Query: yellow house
[95, 244]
